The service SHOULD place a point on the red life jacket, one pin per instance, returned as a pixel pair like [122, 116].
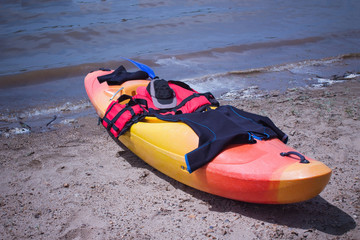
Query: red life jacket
[188, 100]
[120, 117]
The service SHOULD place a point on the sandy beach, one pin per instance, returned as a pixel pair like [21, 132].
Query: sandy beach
[74, 182]
[63, 177]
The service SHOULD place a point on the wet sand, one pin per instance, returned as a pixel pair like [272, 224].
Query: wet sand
[75, 182]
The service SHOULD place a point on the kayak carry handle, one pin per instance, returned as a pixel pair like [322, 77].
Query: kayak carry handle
[302, 158]
[116, 93]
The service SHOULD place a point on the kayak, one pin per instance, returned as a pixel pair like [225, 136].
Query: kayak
[256, 173]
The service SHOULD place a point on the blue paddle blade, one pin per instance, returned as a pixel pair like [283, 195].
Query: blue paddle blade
[143, 67]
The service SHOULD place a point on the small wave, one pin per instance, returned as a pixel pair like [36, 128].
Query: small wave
[66, 107]
[37, 120]
[174, 61]
[46, 75]
[294, 66]
[352, 76]
[69, 121]
[278, 77]
[250, 92]
[14, 131]
[325, 82]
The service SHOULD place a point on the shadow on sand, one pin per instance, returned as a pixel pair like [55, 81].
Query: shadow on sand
[316, 213]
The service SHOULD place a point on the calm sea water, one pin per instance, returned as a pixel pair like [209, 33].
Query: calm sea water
[47, 46]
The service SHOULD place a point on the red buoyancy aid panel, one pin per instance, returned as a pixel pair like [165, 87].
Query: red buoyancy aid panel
[119, 117]
[188, 101]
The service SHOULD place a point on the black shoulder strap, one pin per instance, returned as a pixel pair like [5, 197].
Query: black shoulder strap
[132, 101]
[124, 97]
[211, 99]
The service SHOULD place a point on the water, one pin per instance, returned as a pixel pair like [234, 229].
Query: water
[48, 46]
[49, 34]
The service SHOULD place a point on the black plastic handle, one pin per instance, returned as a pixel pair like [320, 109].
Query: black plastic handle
[302, 158]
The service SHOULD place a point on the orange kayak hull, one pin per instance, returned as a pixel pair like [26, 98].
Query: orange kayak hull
[249, 172]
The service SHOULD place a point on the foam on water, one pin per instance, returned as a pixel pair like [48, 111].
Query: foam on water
[352, 76]
[41, 119]
[325, 82]
[175, 62]
[36, 112]
[283, 76]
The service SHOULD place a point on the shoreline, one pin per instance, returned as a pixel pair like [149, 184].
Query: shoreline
[64, 96]
[66, 73]
[74, 181]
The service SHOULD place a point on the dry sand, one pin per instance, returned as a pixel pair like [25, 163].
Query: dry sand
[75, 182]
